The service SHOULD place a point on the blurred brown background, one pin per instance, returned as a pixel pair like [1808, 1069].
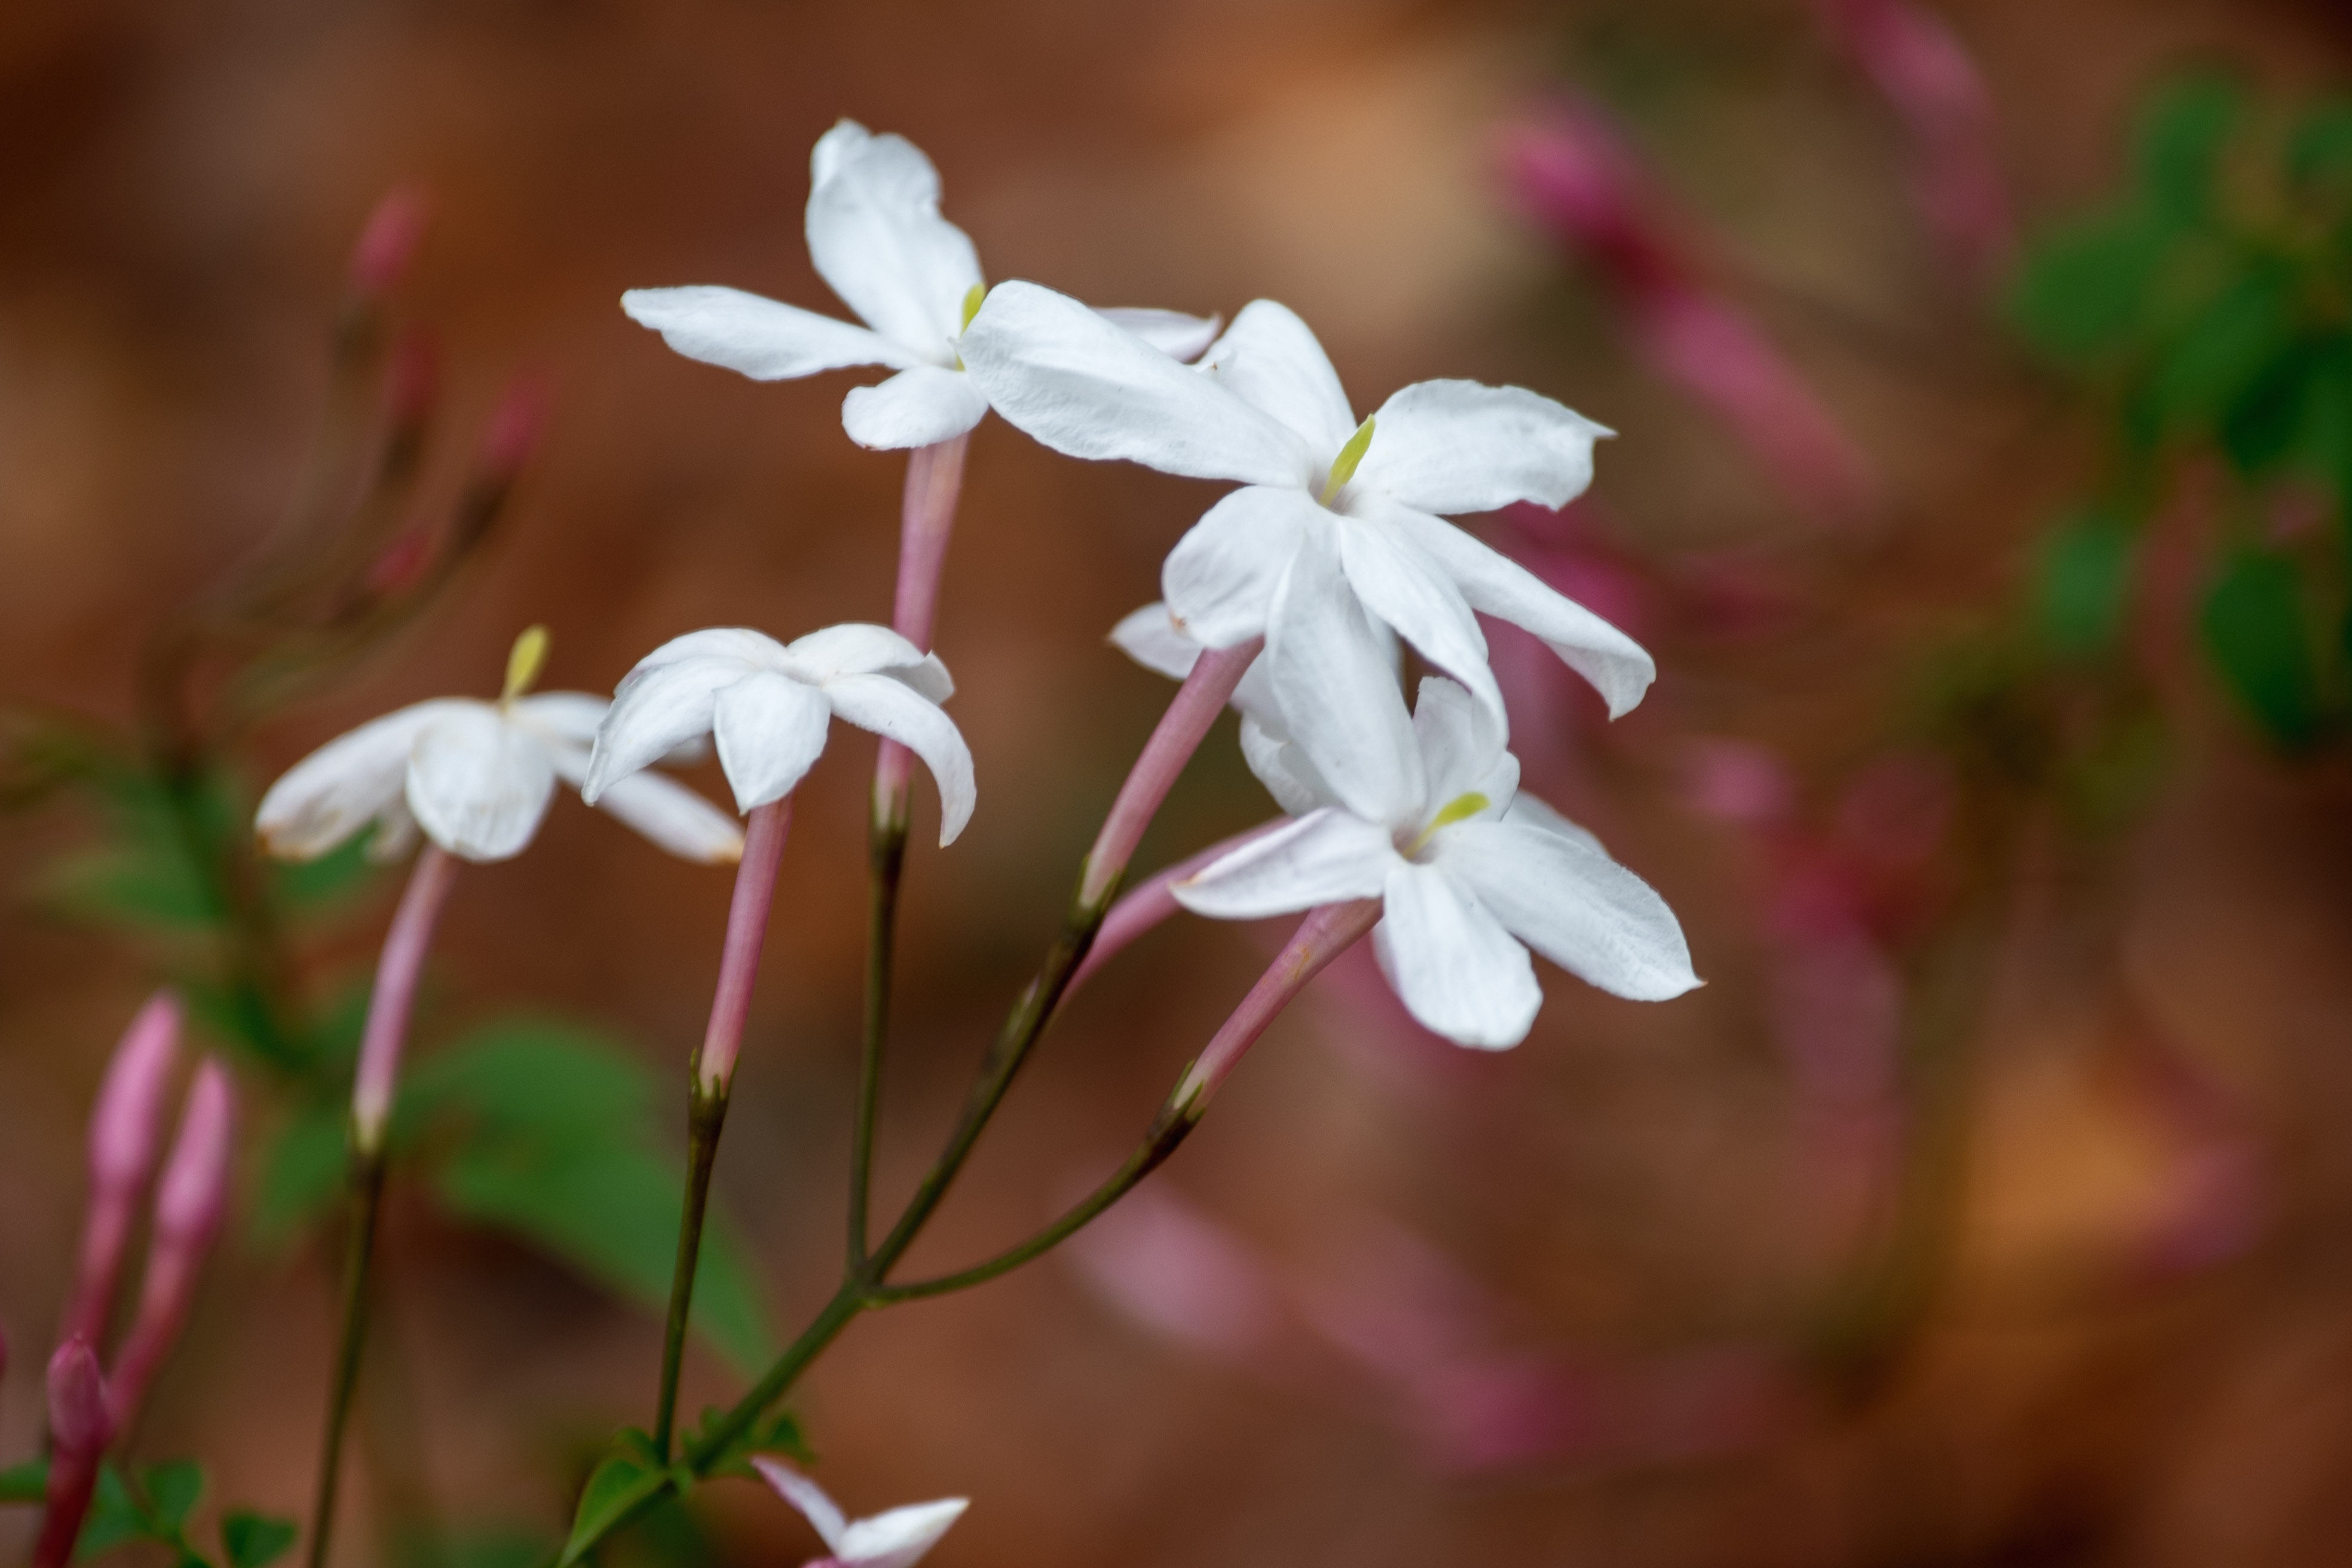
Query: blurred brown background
[179, 185]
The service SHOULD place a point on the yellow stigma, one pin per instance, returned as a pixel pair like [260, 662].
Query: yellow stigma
[973, 299]
[524, 662]
[1343, 466]
[1467, 805]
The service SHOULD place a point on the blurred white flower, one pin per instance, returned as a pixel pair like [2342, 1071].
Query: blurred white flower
[894, 1540]
[770, 706]
[1470, 874]
[476, 777]
[877, 238]
[1264, 408]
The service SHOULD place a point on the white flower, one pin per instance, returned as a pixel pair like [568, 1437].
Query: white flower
[1264, 408]
[476, 777]
[876, 236]
[770, 706]
[1470, 875]
[892, 1539]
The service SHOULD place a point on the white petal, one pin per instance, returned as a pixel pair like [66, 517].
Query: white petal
[1336, 683]
[753, 650]
[1272, 362]
[1077, 383]
[914, 408]
[771, 730]
[674, 818]
[1527, 810]
[396, 832]
[1282, 767]
[1324, 858]
[1492, 584]
[1462, 747]
[1150, 636]
[1220, 579]
[1172, 332]
[478, 786]
[343, 785]
[875, 235]
[1456, 969]
[659, 709]
[822, 1512]
[1398, 583]
[857, 648]
[765, 338]
[1455, 446]
[1570, 901]
[895, 711]
[899, 1538]
[571, 716]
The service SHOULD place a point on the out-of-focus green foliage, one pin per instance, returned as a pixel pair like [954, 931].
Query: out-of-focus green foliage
[2208, 307]
[155, 1503]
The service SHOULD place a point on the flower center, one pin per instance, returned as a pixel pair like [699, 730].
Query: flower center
[1468, 804]
[1343, 466]
[524, 661]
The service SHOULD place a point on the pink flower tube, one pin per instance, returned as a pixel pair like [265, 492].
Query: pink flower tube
[122, 1142]
[190, 1203]
[926, 518]
[81, 1423]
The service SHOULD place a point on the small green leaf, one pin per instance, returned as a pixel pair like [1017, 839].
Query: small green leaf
[25, 1482]
[2081, 584]
[2179, 143]
[2226, 348]
[132, 885]
[2256, 632]
[173, 1488]
[301, 1173]
[2082, 292]
[254, 1540]
[113, 1517]
[628, 1475]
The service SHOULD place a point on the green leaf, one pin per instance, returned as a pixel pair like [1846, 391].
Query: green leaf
[173, 1488]
[2083, 291]
[301, 1173]
[2179, 143]
[2319, 156]
[628, 1475]
[133, 886]
[2226, 348]
[545, 1131]
[254, 1540]
[113, 1517]
[2082, 582]
[25, 1482]
[2259, 642]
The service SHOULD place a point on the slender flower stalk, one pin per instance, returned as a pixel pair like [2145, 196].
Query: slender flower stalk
[122, 1146]
[404, 948]
[81, 1423]
[190, 1204]
[713, 1070]
[1180, 729]
[1322, 936]
[934, 482]
[1153, 899]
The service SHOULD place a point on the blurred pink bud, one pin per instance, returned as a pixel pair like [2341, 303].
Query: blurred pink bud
[515, 426]
[1736, 783]
[389, 241]
[1570, 171]
[401, 563]
[122, 1142]
[80, 1419]
[1181, 1274]
[414, 381]
[189, 1206]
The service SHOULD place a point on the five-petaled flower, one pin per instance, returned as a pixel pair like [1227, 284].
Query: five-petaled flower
[476, 777]
[770, 706]
[1264, 408]
[877, 238]
[1470, 874]
[894, 1540]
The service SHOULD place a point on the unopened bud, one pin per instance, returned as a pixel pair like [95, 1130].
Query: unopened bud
[515, 426]
[122, 1125]
[413, 381]
[389, 241]
[79, 1418]
[193, 1193]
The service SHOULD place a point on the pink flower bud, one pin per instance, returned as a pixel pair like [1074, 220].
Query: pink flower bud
[515, 426]
[413, 381]
[80, 1419]
[121, 1155]
[189, 1206]
[389, 241]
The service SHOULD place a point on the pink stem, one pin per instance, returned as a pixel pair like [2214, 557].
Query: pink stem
[934, 480]
[405, 946]
[190, 1204]
[1198, 702]
[1153, 900]
[746, 927]
[1326, 933]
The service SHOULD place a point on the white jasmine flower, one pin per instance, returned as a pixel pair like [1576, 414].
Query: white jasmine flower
[877, 238]
[894, 1540]
[477, 778]
[1264, 408]
[1470, 874]
[770, 706]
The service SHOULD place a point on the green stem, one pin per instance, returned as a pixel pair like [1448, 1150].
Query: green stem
[853, 1297]
[367, 1201]
[706, 1115]
[885, 853]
